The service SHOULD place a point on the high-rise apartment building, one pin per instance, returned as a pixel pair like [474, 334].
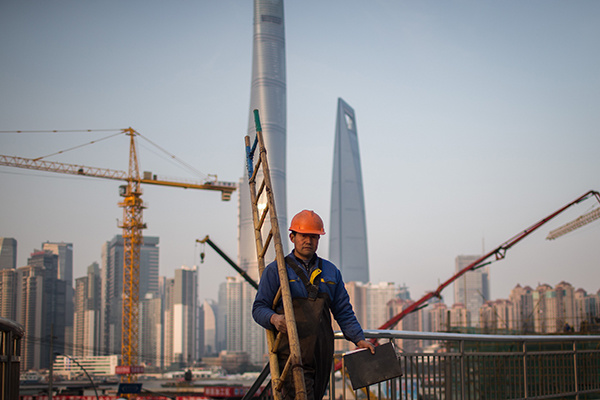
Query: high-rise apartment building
[369, 301]
[8, 293]
[587, 308]
[86, 324]
[348, 226]
[210, 313]
[112, 286]
[221, 340]
[234, 314]
[545, 307]
[181, 303]
[566, 318]
[64, 251]
[521, 319]
[437, 315]
[152, 331]
[8, 278]
[32, 314]
[40, 308]
[8, 253]
[473, 288]
[410, 322]
[494, 316]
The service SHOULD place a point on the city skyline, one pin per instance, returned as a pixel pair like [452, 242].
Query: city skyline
[173, 334]
[469, 132]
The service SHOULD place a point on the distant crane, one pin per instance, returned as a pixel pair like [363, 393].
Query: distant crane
[132, 225]
[499, 253]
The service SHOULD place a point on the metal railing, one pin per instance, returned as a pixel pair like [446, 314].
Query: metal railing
[478, 367]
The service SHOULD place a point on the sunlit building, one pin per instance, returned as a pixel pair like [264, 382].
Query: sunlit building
[522, 316]
[181, 302]
[86, 324]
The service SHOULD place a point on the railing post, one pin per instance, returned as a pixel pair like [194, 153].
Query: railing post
[343, 379]
[575, 369]
[462, 369]
[525, 369]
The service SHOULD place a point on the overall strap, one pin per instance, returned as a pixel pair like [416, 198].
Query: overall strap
[311, 287]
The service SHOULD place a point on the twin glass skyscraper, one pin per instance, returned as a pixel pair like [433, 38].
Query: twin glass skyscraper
[348, 229]
[348, 238]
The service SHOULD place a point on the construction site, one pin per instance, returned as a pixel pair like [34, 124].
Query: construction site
[283, 353]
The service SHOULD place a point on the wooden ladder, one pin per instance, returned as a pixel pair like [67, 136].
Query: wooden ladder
[294, 362]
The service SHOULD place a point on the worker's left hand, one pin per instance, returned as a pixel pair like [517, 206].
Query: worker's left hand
[363, 344]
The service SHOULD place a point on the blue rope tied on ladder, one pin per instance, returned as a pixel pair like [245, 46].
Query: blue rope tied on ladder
[250, 150]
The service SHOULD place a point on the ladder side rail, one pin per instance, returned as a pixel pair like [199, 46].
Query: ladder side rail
[271, 336]
[295, 357]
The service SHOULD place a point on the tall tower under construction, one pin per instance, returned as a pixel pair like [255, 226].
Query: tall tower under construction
[268, 95]
[348, 227]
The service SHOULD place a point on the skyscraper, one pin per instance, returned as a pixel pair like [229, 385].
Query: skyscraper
[8, 278]
[348, 227]
[473, 288]
[210, 313]
[152, 330]
[112, 286]
[86, 328]
[30, 314]
[64, 251]
[8, 293]
[268, 95]
[8, 253]
[180, 317]
[41, 308]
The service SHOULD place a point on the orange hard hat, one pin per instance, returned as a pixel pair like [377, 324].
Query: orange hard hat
[307, 221]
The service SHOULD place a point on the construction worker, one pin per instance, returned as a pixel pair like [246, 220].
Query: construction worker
[317, 292]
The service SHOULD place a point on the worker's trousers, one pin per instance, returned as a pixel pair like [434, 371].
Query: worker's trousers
[313, 321]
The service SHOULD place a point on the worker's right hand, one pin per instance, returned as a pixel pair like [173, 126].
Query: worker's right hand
[278, 320]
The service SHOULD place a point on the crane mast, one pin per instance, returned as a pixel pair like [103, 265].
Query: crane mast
[132, 225]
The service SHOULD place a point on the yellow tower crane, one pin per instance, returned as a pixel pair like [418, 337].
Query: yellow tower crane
[132, 225]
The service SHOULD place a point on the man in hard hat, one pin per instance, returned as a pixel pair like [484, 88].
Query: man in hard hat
[317, 292]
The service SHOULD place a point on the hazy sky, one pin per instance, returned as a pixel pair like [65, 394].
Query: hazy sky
[475, 120]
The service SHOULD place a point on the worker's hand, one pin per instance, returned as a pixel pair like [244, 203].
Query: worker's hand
[363, 344]
[278, 320]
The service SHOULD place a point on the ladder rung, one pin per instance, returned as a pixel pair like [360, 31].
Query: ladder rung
[263, 216]
[285, 372]
[260, 190]
[256, 168]
[276, 343]
[277, 297]
[266, 245]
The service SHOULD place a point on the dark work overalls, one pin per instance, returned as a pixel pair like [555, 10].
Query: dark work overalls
[313, 321]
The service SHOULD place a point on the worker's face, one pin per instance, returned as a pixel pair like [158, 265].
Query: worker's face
[305, 245]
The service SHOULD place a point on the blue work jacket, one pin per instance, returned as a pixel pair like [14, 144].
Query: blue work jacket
[331, 283]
